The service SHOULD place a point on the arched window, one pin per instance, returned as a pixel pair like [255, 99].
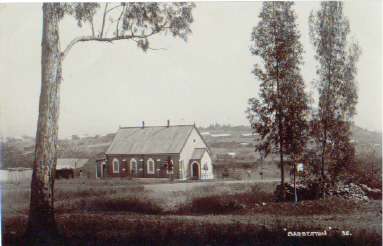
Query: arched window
[151, 166]
[116, 166]
[133, 166]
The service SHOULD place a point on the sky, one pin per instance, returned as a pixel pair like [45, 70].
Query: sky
[205, 80]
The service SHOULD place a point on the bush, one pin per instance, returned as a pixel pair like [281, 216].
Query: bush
[366, 169]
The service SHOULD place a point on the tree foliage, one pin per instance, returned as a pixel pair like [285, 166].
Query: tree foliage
[337, 87]
[366, 169]
[279, 115]
[130, 21]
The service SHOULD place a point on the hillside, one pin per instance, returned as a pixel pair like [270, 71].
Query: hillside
[228, 145]
[365, 136]
[237, 139]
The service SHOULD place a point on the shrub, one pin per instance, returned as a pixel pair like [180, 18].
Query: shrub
[366, 169]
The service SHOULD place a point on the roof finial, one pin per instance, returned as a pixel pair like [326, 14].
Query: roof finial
[143, 124]
[168, 123]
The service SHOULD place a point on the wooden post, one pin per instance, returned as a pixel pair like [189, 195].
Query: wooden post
[295, 188]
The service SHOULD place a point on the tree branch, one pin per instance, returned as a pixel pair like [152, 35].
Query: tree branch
[103, 20]
[113, 8]
[107, 30]
[119, 18]
[100, 39]
[115, 38]
[91, 22]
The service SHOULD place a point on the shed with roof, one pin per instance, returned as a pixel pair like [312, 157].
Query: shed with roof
[143, 152]
[71, 168]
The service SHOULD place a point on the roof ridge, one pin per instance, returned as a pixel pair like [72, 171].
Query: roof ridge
[130, 127]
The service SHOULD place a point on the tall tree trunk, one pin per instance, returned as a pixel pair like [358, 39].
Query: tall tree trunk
[280, 126]
[41, 224]
[323, 162]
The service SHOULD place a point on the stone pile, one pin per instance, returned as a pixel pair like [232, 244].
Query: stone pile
[372, 193]
[352, 190]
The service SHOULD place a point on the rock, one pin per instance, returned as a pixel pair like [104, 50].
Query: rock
[365, 198]
[377, 191]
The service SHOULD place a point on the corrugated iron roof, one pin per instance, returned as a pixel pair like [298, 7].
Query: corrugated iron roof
[63, 163]
[149, 140]
[197, 154]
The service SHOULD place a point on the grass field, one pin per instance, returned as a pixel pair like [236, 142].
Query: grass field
[122, 212]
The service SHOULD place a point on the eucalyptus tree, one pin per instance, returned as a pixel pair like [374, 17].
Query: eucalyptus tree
[337, 87]
[128, 21]
[280, 115]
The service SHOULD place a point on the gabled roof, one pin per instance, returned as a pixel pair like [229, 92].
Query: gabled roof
[68, 163]
[150, 140]
[197, 154]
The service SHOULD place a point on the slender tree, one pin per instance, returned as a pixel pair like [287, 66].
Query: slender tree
[337, 87]
[280, 115]
[128, 21]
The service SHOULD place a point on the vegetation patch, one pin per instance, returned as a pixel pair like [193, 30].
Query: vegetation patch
[117, 230]
[135, 204]
[222, 199]
[128, 198]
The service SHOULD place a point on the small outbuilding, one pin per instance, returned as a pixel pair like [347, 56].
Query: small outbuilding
[71, 168]
[145, 152]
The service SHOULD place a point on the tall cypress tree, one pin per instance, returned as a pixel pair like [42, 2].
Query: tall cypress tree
[280, 115]
[337, 88]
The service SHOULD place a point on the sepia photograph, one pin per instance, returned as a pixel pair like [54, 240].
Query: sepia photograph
[191, 123]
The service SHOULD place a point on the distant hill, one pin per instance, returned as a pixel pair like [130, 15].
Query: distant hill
[365, 136]
[359, 134]
[222, 139]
